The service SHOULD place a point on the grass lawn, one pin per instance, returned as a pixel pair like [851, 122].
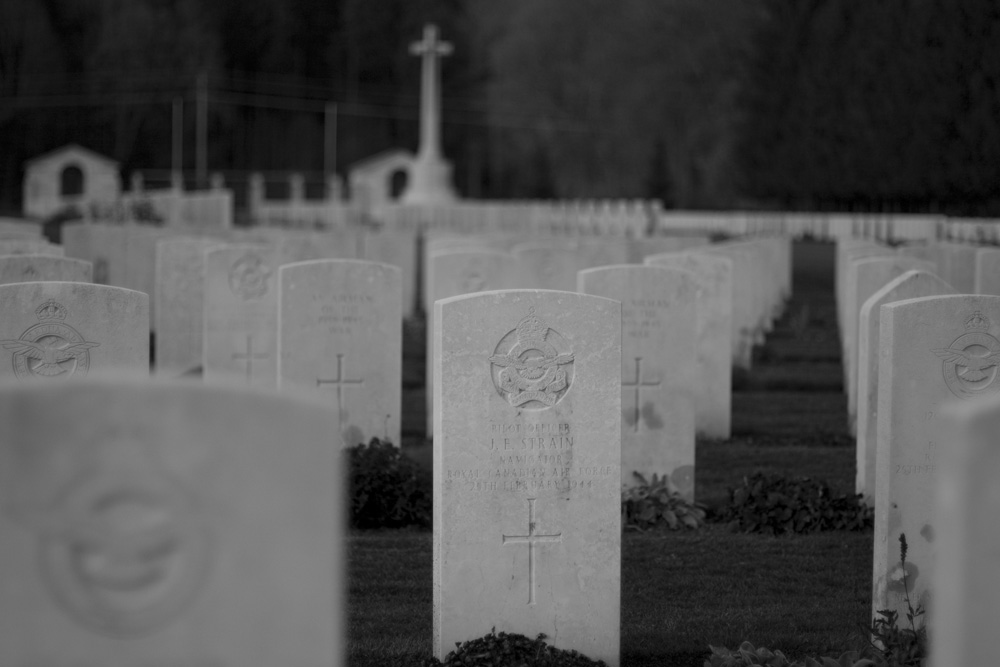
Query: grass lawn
[681, 592]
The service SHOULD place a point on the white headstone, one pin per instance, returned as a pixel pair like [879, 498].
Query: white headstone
[55, 330]
[864, 278]
[966, 584]
[30, 268]
[167, 524]
[548, 265]
[659, 368]
[957, 264]
[29, 247]
[180, 296]
[398, 248]
[988, 271]
[340, 335]
[640, 249]
[241, 315]
[910, 285]
[527, 497]
[934, 350]
[463, 272]
[715, 332]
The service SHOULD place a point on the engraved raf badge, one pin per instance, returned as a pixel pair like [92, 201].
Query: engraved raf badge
[50, 348]
[249, 276]
[122, 549]
[970, 363]
[532, 366]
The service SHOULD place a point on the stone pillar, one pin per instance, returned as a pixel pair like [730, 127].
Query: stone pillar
[255, 194]
[430, 174]
[296, 188]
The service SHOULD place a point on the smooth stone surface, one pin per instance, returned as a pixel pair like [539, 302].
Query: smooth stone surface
[148, 524]
[453, 273]
[640, 249]
[398, 248]
[107, 250]
[241, 315]
[527, 456]
[846, 253]
[51, 331]
[957, 264]
[848, 250]
[437, 245]
[713, 383]
[550, 265]
[180, 297]
[602, 251]
[140, 262]
[32, 268]
[659, 374]
[934, 350]
[966, 585]
[340, 336]
[987, 271]
[864, 278]
[29, 247]
[910, 285]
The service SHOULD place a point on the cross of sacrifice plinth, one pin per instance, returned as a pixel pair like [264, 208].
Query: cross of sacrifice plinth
[340, 382]
[531, 539]
[639, 385]
[249, 357]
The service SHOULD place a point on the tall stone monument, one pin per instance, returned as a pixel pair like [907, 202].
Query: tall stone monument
[430, 176]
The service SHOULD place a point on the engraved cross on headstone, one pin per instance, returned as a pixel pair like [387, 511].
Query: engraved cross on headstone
[638, 385]
[531, 539]
[249, 357]
[339, 382]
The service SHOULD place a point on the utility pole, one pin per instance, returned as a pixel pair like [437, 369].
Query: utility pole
[330, 140]
[177, 145]
[201, 131]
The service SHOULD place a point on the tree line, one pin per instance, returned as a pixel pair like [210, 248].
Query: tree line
[799, 104]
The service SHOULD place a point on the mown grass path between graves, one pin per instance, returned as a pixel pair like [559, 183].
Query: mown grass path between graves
[681, 592]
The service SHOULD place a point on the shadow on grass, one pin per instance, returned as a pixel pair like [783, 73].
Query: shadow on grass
[805, 595]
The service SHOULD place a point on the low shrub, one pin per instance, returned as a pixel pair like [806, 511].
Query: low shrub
[511, 650]
[892, 645]
[774, 505]
[656, 503]
[387, 489]
[901, 646]
[747, 655]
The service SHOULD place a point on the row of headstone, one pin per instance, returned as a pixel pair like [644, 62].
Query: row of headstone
[467, 265]
[196, 212]
[864, 268]
[920, 329]
[330, 327]
[126, 255]
[646, 219]
[545, 404]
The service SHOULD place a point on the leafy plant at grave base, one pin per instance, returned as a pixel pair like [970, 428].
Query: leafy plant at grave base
[902, 647]
[387, 489]
[892, 646]
[774, 505]
[511, 650]
[656, 503]
[747, 654]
